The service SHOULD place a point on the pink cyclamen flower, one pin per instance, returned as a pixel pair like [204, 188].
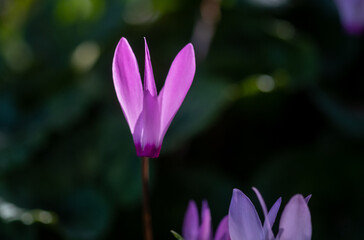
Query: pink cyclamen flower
[352, 15]
[244, 222]
[148, 113]
[193, 229]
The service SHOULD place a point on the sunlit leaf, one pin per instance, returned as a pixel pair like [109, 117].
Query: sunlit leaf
[176, 235]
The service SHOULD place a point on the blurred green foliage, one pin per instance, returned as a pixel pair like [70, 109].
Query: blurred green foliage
[277, 103]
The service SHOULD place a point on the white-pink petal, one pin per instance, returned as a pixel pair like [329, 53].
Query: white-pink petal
[176, 86]
[149, 83]
[127, 82]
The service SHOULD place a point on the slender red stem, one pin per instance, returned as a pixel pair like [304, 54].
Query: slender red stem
[147, 217]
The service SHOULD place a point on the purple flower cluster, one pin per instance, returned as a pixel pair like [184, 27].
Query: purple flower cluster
[149, 115]
[194, 229]
[243, 222]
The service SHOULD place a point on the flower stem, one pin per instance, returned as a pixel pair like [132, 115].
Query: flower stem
[147, 217]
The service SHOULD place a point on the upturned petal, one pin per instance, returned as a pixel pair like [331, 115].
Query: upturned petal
[146, 134]
[149, 82]
[244, 223]
[272, 214]
[307, 199]
[205, 231]
[178, 82]
[267, 227]
[222, 232]
[127, 82]
[190, 226]
[295, 221]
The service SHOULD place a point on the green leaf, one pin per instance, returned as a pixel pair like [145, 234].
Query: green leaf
[176, 235]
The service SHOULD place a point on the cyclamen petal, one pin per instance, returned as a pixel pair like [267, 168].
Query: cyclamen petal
[352, 15]
[149, 83]
[267, 227]
[244, 223]
[307, 199]
[296, 220]
[127, 82]
[193, 229]
[147, 113]
[147, 128]
[178, 82]
[272, 214]
[205, 231]
[190, 226]
[222, 231]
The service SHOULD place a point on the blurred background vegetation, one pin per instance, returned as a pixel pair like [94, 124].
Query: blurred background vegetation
[277, 103]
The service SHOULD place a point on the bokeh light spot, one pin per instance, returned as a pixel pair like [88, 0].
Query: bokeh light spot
[27, 218]
[85, 56]
[265, 83]
[18, 55]
[140, 12]
[284, 30]
[8, 211]
[45, 217]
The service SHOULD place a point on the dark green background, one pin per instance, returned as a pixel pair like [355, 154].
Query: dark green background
[65, 147]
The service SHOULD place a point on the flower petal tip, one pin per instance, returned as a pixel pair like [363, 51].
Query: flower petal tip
[127, 82]
[307, 199]
[189, 49]
[235, 190]
[189, 45]
[296, 220]
[123, 41]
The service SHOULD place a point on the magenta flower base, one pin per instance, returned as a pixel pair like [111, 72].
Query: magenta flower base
[352, 15]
